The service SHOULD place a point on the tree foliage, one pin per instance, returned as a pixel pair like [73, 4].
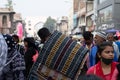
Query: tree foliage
[9, 4]
[50, 24]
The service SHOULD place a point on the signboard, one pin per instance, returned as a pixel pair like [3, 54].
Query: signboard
[108, 26]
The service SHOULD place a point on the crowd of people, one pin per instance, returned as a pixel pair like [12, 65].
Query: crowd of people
[104, 54]
[16, 60]
[102, 63]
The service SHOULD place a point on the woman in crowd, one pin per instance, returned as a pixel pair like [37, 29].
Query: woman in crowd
[105, 66]
[14, 68]
[30, 52]
[19, 47]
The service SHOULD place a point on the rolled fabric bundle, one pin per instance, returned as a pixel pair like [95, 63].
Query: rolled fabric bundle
[60, 58]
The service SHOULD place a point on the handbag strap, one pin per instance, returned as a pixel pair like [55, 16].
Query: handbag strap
[11, 59]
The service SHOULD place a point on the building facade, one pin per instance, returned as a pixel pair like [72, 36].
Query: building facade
[6, 20]
[62, 25]
[82, 15]
[33, 23]
[108, 14]
[18, 19]
[90, 15]
[70, 20]
[83, 18]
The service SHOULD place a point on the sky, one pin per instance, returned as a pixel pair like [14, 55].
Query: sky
[55, 8]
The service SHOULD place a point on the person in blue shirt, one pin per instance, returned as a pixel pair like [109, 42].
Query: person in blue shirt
[100, 37]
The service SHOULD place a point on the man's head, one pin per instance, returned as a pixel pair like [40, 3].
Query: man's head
[15, 38]
[10, 42]
[100, 37]
[43, 33]
[88, 37]
[110, 37]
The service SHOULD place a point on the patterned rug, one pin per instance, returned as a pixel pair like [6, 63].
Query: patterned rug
[61, 58]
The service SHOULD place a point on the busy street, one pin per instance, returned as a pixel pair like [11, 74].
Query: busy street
[59, 39]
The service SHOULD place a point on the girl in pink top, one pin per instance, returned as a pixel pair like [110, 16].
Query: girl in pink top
[105, 67]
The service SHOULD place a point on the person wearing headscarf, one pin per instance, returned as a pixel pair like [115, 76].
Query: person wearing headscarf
[100, 37]
[19, 47]
[15, 66]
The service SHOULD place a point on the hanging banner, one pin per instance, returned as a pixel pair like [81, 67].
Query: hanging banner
[20, 30]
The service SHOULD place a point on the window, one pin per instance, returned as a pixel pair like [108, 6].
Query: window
[82, 20]
[29, 23]
[4, 21]
[105, 14]
[89, 21]
[29, 28]
[101, 1]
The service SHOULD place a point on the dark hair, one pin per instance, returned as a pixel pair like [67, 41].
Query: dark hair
[16, 37]
[30, 41]
[89, 77]
[11, 44]
[87, 35]
[43, 33]
[101, 47]
[116, 38]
